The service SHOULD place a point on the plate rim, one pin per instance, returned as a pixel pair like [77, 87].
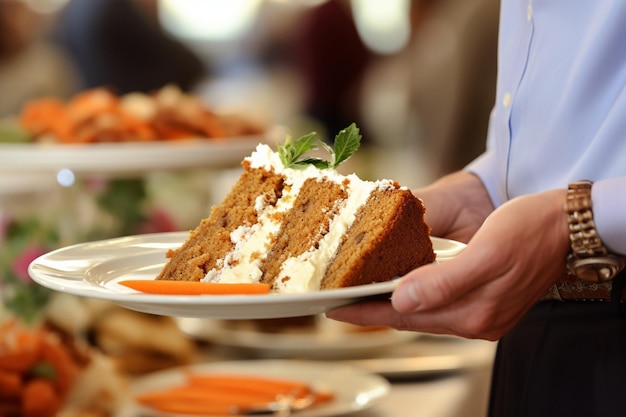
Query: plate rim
[331, 343]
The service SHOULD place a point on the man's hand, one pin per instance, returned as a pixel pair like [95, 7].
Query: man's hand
[509, 263]
[456, 206]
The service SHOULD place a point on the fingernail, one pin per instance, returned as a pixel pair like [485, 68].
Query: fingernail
[404, 298]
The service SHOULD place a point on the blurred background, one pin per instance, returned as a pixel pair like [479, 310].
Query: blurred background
[416, 76]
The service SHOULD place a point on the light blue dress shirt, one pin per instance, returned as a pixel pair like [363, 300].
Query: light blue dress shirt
[560, 111]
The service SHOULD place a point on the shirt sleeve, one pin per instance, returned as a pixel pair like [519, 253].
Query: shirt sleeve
[608, 197]
[609, 211]
[486, 167]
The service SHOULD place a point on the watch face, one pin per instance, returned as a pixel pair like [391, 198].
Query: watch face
[596, 269]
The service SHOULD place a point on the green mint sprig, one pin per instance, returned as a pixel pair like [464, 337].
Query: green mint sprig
[346, 143]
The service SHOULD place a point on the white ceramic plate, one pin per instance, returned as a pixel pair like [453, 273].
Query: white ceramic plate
[94, 269]
[428, 356]
[325, 339]
[131, 157]
[354, 389]
[24, 183]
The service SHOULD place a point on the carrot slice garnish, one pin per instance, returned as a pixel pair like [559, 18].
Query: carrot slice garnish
[223, 394]
[194, 287]
[249, 385]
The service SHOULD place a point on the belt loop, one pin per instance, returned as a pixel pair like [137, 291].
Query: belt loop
[617, 289]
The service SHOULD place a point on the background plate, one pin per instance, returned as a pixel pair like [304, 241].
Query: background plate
[323, 339]
[429, 356]
[354, 389]
[133, 157]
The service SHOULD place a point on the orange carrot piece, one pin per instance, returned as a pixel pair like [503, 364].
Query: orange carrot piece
[249, 383]
[323, 397]
[38, 115]
[17, 361]
[195, 408]
[90, 103]
[65, 369]
[246, 384]
[194, 287]
[23, 355]
[39, 399]
[200, 394]
[220, 394]
[11, 384]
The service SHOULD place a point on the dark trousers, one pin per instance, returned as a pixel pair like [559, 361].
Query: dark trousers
[563, 359]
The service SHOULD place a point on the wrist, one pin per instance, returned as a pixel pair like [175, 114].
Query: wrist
[559, 224]
[456, 205]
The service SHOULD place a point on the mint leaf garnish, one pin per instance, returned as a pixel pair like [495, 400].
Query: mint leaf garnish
[346, 143]
[290, 152]
[317, 162]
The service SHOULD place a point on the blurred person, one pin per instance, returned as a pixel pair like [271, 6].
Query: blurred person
[31, 65]
[435, 95]
[120, 44]
[331, 58]
[453, 87]
[542, 272]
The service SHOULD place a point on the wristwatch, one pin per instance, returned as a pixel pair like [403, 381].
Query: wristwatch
[589, 259]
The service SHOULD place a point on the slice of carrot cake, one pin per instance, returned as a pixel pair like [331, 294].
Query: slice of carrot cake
[294, 222]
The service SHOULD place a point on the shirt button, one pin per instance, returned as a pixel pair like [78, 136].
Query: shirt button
[529, 11]
[506, 100]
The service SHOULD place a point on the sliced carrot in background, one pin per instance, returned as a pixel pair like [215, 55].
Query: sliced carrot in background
[222, 394]
[23, 354]
[65, 369]
[249, 384]
[196, 394]
[11, 384]
[40, 399]
[196, 408]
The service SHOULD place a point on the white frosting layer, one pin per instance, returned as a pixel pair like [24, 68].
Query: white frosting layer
[251, 243]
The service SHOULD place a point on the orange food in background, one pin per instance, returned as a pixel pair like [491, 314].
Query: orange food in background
[223, 394]
[99, 115]
[40, 398]
[36, 371]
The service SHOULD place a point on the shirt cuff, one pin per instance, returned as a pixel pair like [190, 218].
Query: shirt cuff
[609, 212]
[485, 168]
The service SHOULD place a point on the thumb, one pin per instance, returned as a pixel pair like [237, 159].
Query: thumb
[432, 286]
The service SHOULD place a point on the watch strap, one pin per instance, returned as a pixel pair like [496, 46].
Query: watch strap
[589, 259]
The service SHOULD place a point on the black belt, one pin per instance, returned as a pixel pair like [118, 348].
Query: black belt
[571, 288]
